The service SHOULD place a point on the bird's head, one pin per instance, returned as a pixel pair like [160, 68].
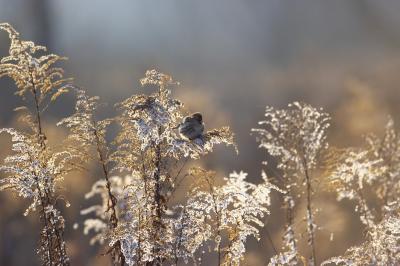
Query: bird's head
[198, 117]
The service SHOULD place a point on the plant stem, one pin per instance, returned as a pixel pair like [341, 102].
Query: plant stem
[116, 255]
[46, 197]
[216, 210]
[310, 220]
[271, 242]
[157, 223]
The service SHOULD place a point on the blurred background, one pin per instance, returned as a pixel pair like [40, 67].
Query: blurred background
[232, 58]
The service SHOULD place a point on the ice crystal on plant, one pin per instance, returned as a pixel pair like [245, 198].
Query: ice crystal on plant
[85, 129]
[87, 133]
[155, 118]
[34, 171]
[192, 230]
[380, 248]
[387, 149]
[31, 71]
[34, 174]
[100, 224]
[349, 172]
[27, 174]
[290, 256]
[296, 137]
[236, 208]
[135, 221]
[149, 148]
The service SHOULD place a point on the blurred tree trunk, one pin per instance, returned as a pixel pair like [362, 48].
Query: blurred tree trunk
[41, 20]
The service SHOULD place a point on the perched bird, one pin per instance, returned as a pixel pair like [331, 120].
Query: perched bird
[192, 127]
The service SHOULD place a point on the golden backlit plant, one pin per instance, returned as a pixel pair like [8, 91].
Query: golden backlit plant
[34, 170]
[296, 136]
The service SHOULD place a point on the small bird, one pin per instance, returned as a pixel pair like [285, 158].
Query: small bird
[192, 127]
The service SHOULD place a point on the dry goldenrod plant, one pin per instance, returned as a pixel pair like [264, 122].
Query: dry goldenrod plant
[358, 171]
[150, 149]
[380, 248]
[88, 132]
[387, 150]
[353, 170]
[34, 170]
[296, 136]
[235, 209]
